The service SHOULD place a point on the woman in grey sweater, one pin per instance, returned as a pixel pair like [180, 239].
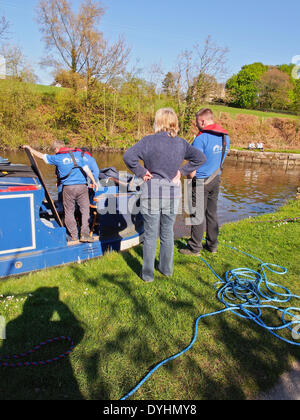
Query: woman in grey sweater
[162, 154]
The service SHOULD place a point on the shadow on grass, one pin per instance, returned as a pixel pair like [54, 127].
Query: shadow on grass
[44, 317]
[141, 325]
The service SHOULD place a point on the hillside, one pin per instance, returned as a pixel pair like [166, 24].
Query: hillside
[108, 118]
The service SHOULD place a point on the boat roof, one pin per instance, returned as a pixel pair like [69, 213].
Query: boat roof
[19, 171]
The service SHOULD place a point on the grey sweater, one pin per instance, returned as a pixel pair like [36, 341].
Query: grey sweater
[163, 156]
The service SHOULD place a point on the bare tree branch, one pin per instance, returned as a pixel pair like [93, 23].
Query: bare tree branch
[74, 41]
[4, 26]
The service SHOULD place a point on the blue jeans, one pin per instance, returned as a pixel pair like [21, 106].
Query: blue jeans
[159, 218]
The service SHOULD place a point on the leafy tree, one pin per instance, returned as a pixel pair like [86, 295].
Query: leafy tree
[275, 90]
[169, 84]
[242, 88]
[69, 79]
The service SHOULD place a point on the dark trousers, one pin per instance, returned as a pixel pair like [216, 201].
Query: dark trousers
[211, 196]
[72, 195]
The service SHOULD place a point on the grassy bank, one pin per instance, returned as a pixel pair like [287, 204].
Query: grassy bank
[234, 112]
[122, 326]
[115, 119]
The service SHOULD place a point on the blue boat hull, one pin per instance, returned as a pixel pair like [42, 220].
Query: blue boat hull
[22, 263]
[32, 240]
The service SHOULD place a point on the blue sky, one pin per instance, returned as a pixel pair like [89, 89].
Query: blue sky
[158, 30]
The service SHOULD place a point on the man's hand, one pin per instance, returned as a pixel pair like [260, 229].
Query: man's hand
[95, 187]
[34, 152]
[192, 175]
[147, 177]
[177, 179]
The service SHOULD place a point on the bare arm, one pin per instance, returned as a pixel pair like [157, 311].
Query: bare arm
[35, 152]
[91, 176]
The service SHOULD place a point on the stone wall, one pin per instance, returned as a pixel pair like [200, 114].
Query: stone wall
[290, 160]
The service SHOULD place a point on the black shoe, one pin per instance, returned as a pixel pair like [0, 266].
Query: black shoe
[211, 250]
[189, 252]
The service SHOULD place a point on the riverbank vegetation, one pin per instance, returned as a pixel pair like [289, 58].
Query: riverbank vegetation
[109, 117]
[103, 104]
[122, 326]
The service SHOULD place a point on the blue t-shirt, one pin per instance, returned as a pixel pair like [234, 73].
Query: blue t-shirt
[212, 147]
[92, 164]
[64, 164]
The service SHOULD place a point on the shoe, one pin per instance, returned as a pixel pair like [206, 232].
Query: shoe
[146, 281]
[86, 239]
[163, 274]
[189, 252]
[211, 250]
[73, 241]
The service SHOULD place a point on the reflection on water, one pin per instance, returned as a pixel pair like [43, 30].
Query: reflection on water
[247, 189]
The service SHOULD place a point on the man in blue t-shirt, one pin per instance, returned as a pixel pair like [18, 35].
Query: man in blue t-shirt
[88, 160]
[214, 142]
[73, 171]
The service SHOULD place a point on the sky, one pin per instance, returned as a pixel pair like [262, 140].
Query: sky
[157, 31]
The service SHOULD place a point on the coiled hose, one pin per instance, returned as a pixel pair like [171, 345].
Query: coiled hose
[246, 293]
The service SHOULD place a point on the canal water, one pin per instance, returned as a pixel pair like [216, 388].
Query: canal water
[247, 189]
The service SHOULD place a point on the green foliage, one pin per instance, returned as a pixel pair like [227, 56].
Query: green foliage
[113, 117]
[251, 88]
[242, 87]
[17, 102]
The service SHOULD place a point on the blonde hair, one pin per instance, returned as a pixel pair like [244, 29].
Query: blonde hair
[166, 120]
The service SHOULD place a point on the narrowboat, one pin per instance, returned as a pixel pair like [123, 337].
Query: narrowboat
[32, 234]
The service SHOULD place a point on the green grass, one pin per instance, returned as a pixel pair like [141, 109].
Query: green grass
[262, 115]
[40, 89]
[122, 326]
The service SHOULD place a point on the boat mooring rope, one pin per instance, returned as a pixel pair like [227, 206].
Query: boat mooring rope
[246, 293]
[4, 361]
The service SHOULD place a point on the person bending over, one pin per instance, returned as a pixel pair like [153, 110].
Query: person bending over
[73, 173]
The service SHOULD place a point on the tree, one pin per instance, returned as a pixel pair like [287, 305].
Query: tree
[201, 67]
[75, 42]
[242, 88]
[69, 79]
[17, 65]
[296, 97]
[169, 84]
[288, 69]
[4, 26]
[274, 90]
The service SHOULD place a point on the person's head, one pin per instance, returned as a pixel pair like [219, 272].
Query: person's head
[166, 120]
[86, 150]
[204, 117]
[57, 145]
